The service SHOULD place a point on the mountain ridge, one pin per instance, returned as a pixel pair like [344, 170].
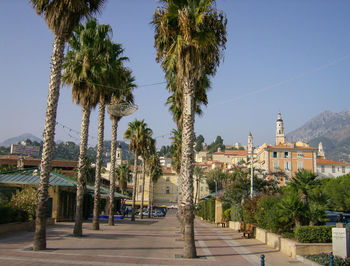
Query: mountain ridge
[22, 137]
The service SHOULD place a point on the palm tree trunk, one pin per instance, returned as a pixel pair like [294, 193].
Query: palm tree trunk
[143, 187]
[78, 226]
[112, 171]
[48, 140]
[134, 188]
[101, 120]
[197, 191]
[187, 167]
[150, 196]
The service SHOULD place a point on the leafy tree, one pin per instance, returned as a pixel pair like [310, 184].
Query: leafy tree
[218, 143]
[123, 176]
[165, 151]
[61, 17]
[199, 141]
[216, 178]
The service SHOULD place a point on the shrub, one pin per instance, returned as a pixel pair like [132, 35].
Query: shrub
[10, 213]
[206, 209]
[227, 215]
[324, 259]
[267, 215]
[314, 234]
[249, 210]
[25, 200]
[236, 212]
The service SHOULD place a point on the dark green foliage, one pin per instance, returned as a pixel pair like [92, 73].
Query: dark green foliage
[165, 151]
[236, 212]
[218, 143]
[199, 140]
[324, 259]
[4, 150]
[206, 210]
[249, 210]
[337, 189]
[10, 214]
[267, 215]
[227, 215]
[314, 234]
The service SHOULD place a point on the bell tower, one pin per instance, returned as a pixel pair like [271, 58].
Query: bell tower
[119, 155]
[280, 137]
[250, 143]
[321, 153]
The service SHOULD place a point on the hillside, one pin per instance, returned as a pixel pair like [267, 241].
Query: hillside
[332, 129]
[15, 140]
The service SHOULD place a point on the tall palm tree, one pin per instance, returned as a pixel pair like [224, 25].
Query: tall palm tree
[123, 175]
[148, 149]
[135, 135]
[83, 68]
[61, 17]
[154, 172]
[116, 110]
[110, 77]
[189, 36]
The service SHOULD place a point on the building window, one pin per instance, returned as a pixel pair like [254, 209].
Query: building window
[167, 190]
[300, 166]
[300, 155]
[206, 189]
[343, 169]
[322, 168]
[167, 179]
[275, 154]
[333, 169]
[286, 154]
[201, 188]
[275, 166]
[287, 166]
[140, 188]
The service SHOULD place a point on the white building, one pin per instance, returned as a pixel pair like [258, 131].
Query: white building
[328, 168]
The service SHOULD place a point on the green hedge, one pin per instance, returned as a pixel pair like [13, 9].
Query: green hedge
[206, 210]
[10, 214]
[314, 234]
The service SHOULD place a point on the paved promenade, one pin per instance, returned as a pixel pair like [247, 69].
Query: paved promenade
[147, 242]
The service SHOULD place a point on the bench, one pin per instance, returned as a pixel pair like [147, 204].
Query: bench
[248, 231]
[242, 227]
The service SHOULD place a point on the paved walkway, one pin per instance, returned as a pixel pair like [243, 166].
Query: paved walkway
[148, 242]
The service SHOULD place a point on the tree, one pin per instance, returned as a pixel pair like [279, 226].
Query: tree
[83, 68]
[148, 148]
[199, 142]
[216, 179]
[218, 143]
[154, 171]
[121, 105]
[189, 37]
[303, 182]
[61, 17]
[123, 175]
[111, 76]
[135, 134]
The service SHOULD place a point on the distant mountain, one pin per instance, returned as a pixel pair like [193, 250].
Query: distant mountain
[332, 129]
[15, 140]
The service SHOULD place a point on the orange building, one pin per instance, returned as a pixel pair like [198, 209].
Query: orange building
[282, 160]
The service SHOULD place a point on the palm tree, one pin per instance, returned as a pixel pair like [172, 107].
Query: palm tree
[61, 17]
[135, 134]
[121, 105]
[110, 77]
[83, 68]
[148, 149]
[303, 182]
[189, 37]
[154, 172]
[198, 173]
[123, 175]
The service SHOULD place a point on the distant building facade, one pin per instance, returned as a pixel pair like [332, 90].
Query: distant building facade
[26, 150]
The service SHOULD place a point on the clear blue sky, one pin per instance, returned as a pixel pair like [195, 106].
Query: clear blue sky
[290, 56]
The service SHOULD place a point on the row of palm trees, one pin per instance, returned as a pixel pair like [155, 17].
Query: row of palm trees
[93, 67]
[190, 36]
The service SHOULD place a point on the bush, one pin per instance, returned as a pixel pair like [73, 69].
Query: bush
[314, 234]
[236, 212]
[324, 259]
[206, 210]
[249, 210]
[25, 200]
[227, 215]
[267, 215]
[10, 214]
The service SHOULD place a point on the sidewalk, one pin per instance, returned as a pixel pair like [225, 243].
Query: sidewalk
[148, 242]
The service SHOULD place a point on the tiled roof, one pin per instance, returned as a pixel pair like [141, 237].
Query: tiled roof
[236, 152]
[325, 161]
[29, 161]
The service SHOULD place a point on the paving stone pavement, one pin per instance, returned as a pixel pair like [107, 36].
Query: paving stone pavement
[143, 242]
